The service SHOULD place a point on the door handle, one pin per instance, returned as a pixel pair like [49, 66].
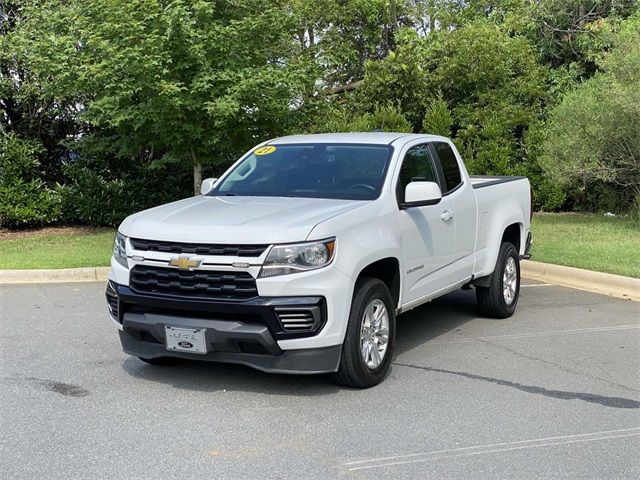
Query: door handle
[446, 215]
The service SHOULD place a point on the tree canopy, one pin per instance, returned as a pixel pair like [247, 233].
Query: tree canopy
[117, 105]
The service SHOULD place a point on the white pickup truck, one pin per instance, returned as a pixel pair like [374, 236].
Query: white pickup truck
[300, 257]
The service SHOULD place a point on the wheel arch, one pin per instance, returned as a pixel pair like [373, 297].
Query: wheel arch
[513, 234]
[387, 270]
[511, 231]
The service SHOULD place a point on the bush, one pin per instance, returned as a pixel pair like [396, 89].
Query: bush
[385, 118]
[94, 195]
[437, 118]
[592, 144]
[24, 198]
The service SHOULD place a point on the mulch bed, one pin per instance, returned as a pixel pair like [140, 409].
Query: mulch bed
[10, 234]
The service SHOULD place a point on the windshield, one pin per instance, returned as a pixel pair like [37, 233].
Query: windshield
[336, 171]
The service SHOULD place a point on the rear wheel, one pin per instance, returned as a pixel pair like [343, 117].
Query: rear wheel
[368, 343]
[500, 298]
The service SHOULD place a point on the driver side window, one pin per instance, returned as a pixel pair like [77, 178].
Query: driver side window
[417, 165]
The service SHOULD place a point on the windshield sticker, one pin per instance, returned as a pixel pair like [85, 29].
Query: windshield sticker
[269, 149]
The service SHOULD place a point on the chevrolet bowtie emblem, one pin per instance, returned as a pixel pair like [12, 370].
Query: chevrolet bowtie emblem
[184, 262]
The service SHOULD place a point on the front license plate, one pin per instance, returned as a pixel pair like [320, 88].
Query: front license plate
[185, 339]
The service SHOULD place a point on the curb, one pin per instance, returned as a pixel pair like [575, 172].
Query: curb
[590, 281]
[597, 282]
[62, 275]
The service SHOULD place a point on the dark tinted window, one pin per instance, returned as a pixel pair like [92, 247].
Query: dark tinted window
[416, 166]
[449, 164]
[340, 171]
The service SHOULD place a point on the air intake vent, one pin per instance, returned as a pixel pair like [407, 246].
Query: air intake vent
[112, 300]
[297, 320]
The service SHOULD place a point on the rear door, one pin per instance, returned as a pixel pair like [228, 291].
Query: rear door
[428, 234]
[457, 189]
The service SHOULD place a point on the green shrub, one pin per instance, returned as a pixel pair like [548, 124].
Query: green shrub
[94, 195]
[25, 200]
[437, 118]
[385, 118]
[592, 145]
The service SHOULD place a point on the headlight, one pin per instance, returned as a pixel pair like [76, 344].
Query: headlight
[119, 250]
[299, 257]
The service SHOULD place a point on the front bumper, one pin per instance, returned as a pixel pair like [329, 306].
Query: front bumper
[329, 283]
[245, 332]
[228, 342]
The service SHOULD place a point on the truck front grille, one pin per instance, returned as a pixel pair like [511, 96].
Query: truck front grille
[196, 283]
[199, 249]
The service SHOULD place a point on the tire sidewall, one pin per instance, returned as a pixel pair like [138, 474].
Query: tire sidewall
[509, 250]
[366, 292]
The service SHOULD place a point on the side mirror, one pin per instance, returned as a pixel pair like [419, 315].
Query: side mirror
[420, 194]
[207, 185]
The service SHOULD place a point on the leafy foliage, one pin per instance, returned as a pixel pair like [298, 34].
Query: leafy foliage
[600, 146]
[191, 80]
[111, 106]
[24, 198]
[437, 118]
[385, 118]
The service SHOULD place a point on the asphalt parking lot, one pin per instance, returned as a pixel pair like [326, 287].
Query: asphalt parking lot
[552, 392]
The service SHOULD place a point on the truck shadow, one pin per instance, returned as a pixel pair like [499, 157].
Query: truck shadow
[220, 377]
[414, 328]
[427, 322]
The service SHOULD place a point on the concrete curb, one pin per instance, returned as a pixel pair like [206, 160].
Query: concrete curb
[597, 282]
[62, 275]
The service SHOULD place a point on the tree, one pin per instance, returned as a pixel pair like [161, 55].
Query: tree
[565, 30]
[185, 79]
[384, 118]
[26, 108]
[488, 81]
[342, 36]
[592, 135]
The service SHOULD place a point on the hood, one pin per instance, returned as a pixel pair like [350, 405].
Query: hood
[212, 219]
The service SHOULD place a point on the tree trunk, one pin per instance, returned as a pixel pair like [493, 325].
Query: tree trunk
[582, 16]
[197, 173]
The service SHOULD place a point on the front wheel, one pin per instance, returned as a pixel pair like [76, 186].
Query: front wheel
[368, 343]
[500, 298]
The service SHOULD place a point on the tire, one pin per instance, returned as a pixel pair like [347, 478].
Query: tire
[369, 296]
[161, 361]
[494, 301]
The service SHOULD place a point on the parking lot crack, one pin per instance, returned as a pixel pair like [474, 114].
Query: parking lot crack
[540, 360]
[613, 402]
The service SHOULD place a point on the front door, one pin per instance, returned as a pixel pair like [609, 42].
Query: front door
[428, 233]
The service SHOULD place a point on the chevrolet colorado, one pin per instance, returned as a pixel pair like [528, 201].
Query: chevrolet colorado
[300, 257]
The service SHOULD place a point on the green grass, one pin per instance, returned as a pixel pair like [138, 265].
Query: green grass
[589, 241]
[60, 250]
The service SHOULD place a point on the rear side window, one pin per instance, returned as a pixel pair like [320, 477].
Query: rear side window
[417, 165]
[450, 167]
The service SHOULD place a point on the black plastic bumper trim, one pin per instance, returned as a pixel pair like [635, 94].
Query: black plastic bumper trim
[304, 361]
[257, 310]
[527, 248]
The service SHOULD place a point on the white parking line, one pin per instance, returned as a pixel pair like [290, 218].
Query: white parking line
[541, 334]
[536, 285]
[491, 448]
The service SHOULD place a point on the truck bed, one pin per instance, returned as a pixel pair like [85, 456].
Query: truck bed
[480, 181]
